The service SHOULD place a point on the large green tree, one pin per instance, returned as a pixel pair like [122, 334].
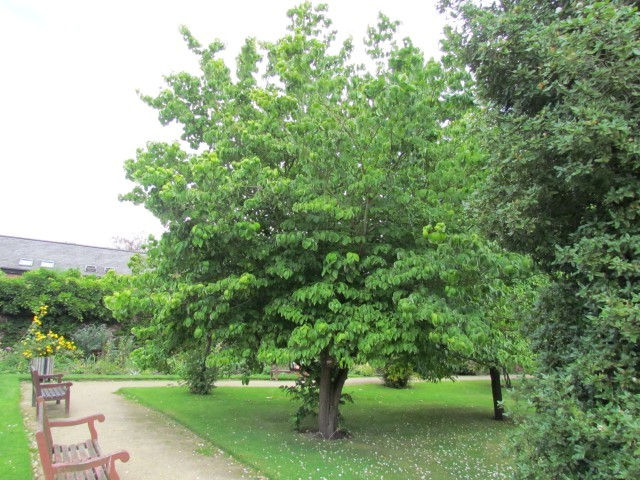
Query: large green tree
[308, 215]
[560, 83]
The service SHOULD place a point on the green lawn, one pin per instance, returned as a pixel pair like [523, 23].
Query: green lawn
[431, 431]
[15, 461]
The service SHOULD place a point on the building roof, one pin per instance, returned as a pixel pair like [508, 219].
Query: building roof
[19, 255]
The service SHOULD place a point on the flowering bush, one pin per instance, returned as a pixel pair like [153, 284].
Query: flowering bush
[37, 344]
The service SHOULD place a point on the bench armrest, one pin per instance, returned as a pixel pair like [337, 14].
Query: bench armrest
[107, 461]
[89, 420]
[45, 386]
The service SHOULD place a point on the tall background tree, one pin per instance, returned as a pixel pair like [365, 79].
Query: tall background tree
[310, 218]
[560, 84]
[134, 243]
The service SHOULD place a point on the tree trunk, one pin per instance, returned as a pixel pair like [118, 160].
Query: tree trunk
[496, 390]
[332, 380]
[207, 351]
[507, 378]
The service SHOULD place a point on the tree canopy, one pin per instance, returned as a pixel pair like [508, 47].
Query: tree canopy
[313, 211]
[560, 84]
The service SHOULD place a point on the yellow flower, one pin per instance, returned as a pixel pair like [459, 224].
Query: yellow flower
[35, 343]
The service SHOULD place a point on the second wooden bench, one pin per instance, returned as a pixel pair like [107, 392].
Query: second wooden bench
[55, 391]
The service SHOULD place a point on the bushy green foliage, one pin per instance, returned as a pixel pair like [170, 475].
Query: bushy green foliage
[559, 80]
[397, 374]
[116, 359]
[92, 338]
[119, 350]
[71, 299]
[306, 393]
[12, 361]
[364, 370]
[195, 371]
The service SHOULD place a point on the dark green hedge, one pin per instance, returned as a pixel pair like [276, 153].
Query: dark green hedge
[72, 298]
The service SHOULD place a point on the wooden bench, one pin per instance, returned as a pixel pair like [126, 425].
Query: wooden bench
[57, 391]
[276, 371]
[79, 461]
[44, 378]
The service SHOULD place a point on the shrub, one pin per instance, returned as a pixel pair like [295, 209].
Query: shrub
[12, 361]
[365, 370]
[195, 372]
[12, 327]
[118, 350]
[397, 374]
[92, 339]
[307, 394]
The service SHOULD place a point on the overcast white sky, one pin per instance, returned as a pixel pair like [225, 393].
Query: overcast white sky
[69, 112]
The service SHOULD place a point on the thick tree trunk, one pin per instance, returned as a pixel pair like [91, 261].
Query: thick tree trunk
[496, 390]
[332, 380]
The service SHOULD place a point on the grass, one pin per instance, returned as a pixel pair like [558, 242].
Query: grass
[431, 431]
[15, 460]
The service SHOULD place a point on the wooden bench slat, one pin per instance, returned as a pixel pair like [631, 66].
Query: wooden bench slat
[53, 392]
[75, 453]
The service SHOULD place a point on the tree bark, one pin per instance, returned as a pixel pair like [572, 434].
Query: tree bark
[332, 380]
[496, 390]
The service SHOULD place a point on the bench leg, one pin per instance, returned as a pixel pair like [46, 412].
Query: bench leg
[67, 401]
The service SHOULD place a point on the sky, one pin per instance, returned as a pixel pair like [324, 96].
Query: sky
[70, 114]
